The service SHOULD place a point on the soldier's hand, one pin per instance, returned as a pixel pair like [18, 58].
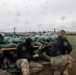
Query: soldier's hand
[36, 55]
[41, 47]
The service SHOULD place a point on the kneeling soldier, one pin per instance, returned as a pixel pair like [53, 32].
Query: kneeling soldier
[25, 55]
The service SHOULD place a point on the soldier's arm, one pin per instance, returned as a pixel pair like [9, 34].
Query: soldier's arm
[67, 45]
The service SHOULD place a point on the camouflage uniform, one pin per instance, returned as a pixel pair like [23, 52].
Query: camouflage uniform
[60, 50]
[4, 72]
[2, 57]
[3, 61]
[27, 68]
[35, 67]
[59, 63]
[25, 54]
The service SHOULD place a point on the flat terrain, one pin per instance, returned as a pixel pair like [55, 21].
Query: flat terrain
[47, 68]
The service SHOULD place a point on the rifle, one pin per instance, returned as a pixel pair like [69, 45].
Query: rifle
[42, 53]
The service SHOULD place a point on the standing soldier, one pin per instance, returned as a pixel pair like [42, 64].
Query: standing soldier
[25, 55]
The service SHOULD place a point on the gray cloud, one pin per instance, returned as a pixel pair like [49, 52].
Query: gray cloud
[31, 13]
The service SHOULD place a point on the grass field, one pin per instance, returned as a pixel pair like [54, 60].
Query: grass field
[47, 69]
[72, 40]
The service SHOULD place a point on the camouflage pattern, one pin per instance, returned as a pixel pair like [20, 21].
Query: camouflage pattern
[61, 62]
[23, 65]
[27, 68]
[4, 72]
[35, 67]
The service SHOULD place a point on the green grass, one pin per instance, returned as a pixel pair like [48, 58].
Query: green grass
[72, 40]
[47, 68]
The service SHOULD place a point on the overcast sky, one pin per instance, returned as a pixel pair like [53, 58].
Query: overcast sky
[37, 14]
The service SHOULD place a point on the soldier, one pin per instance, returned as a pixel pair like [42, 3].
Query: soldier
[25, 55]
[1, 39]
[60, 58]
[3, 60]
